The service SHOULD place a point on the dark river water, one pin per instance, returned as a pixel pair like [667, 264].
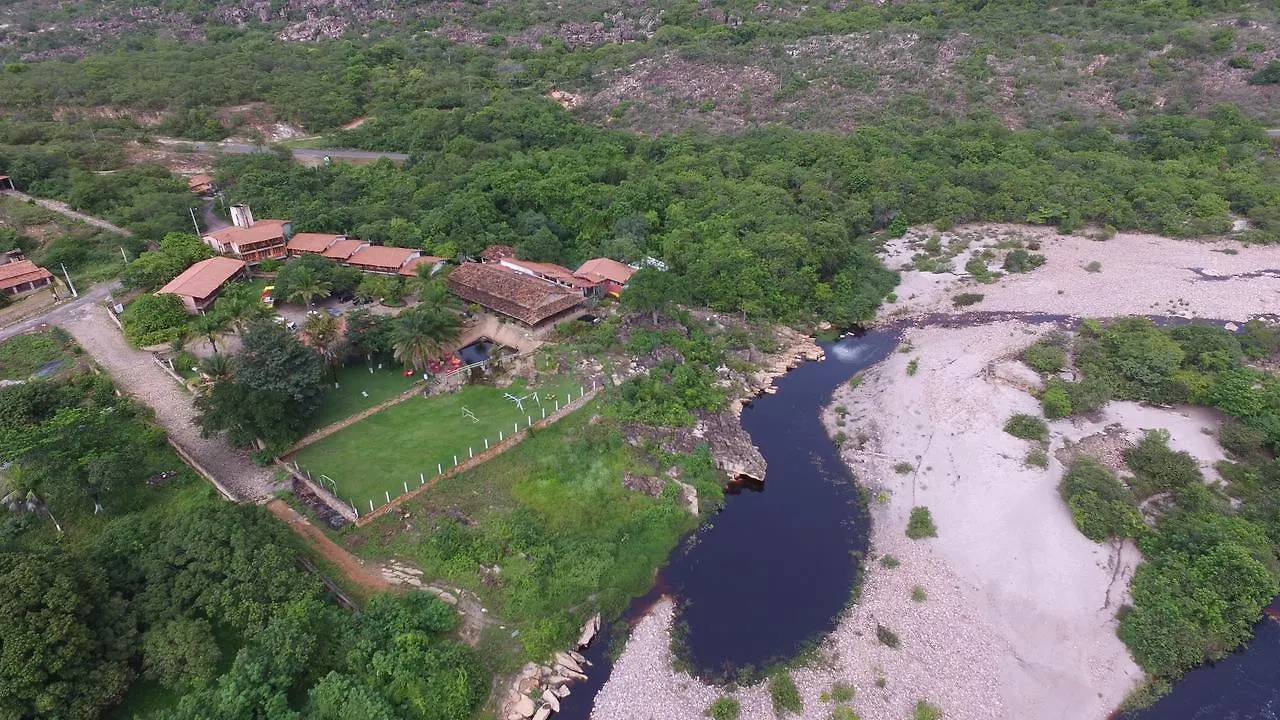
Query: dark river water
[772, 571]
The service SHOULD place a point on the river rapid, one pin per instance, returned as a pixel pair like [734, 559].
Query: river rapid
[771, 573]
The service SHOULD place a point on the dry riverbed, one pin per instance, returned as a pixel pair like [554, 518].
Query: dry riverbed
[1018, 618]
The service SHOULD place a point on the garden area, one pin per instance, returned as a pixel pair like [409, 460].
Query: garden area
[379, 454]
[37, 354]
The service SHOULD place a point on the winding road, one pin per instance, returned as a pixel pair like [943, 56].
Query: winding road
[300, 154]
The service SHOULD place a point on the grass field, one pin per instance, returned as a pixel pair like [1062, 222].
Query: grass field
[24, 355]
[553, 515]
[382, 452]
[346, 400]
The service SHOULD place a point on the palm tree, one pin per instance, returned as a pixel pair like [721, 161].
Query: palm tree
[209, 325]
[215, 367]
[322, 334]
[432, 294]
[421, 334]
[307, 286]
[239, 306]
[18, 501]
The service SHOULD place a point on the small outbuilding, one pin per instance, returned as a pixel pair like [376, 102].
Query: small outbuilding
[23, 276]
[612, 274]
[198, 286]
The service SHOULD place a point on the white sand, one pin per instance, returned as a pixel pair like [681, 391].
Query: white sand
[1020, 617]
[1141, 274]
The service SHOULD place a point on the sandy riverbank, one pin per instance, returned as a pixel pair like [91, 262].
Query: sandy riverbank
[1137, 274]
[1019, 620]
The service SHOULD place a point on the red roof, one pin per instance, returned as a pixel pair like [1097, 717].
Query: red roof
[260, 231]
[550, 270]
[410, 268]
[21, 271]
[494, 253]
[509, 292]
[381, 256]
[600, 269]
[342, 249]
[312, 242]
[204, 278]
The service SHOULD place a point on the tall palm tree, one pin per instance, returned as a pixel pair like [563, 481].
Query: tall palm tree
[209, 325]
[421, 334]
[307, 286]
[18, 501]
[239, 306]
[215, 366]
[323, 335]
[433, 294]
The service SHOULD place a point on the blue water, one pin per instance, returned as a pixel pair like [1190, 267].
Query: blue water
[775, 567]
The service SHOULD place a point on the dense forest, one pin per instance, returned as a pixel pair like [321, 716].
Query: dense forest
[145, 587]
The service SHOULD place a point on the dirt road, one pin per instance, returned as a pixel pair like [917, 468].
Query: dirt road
[351, 566]
[62, 209]
[136, 374]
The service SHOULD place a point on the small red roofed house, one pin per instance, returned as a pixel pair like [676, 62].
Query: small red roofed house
[611, 273]
[21, 276]
[201, 184]
[198, 286]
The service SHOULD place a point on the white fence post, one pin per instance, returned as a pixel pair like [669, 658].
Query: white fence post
[486, 443]
[422, 478]
[469, 455]
[516, 425]
[370, 506]
[455, 461]
[406, 486]
[388, 494]
[499, 436]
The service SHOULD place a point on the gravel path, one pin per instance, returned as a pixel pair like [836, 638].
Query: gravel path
[52, 315]
[136, 373]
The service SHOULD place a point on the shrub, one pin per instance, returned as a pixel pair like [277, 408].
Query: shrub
[1269, 75]
[1055, 400]
[842, 692]
[270, 265]
[1044, 358]
[154, 319]
[725, 708]
[913, 367]
[1100, 504]
[979, 270]
[966, 299]
[918, 594]
[920, 525]
[1241, 440]
[1240, 62]
[903, 468]
[785, 695]
[889, 561]
[926, 711]
[844, 713]
[887, 637]
[1093, 266]
[1020, 261]
[1158, 468]
[1038, 458]
[1027, 427]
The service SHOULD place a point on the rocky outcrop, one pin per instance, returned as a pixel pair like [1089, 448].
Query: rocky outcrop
[536, 691]
[731, 448]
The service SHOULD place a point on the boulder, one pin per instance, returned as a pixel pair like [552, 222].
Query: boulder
[528, 685]
[564, 661]
[578, 657]
[557, 680]
[589, 631]
[543, 713]
[550, 698]
[562, 691]
[525, 707]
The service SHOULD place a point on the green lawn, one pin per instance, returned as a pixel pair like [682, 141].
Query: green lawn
[24, 355]
[553, 515]
[382, 452]
[347, 399]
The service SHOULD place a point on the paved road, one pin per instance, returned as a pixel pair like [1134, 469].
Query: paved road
[299, 153]
[136, 374]
[62, 208]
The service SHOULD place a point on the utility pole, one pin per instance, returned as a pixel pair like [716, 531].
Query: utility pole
[193, 220]
[123, 255]
[70, 284]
